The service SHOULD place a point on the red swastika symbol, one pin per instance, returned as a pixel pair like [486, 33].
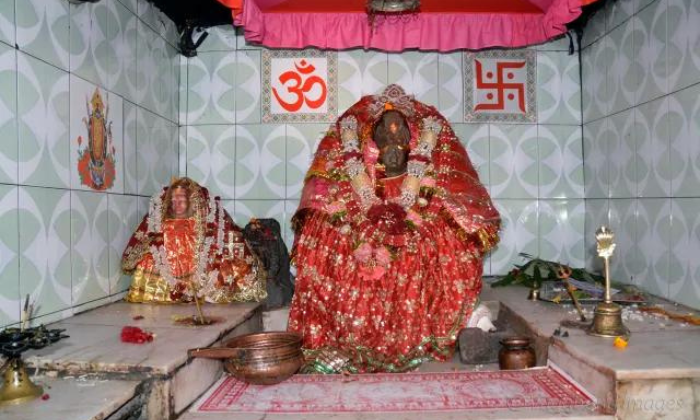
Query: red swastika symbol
[500, 86]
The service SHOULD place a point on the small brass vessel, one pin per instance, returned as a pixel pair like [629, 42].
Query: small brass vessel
[607, 316]
[17, 387]
[534, 294]
[516, 354]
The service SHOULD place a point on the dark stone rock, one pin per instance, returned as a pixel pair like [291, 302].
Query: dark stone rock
[264, 238]
[477, 347]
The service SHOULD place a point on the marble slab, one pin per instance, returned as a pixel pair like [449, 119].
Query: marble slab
[658, 348]
[74, 399]
[95, 346]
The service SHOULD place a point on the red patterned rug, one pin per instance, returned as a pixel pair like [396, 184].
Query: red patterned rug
[443, 391]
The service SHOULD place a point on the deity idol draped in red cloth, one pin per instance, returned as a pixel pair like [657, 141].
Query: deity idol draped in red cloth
[188, 246]
[391, 232]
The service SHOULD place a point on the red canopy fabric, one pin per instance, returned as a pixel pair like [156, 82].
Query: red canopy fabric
[441, 25]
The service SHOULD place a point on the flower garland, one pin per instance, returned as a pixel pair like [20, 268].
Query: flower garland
[385, 221]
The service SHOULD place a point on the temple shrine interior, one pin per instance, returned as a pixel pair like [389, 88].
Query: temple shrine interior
[357, 210]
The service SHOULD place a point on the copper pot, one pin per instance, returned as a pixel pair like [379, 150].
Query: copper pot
[261, 358]
[516, 353]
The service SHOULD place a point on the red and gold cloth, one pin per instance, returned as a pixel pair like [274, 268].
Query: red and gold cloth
[167, 256]
[389, 298]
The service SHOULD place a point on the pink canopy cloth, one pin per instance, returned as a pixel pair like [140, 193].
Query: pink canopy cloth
[441, 25]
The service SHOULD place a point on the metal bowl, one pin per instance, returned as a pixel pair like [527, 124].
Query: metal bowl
[261, 358]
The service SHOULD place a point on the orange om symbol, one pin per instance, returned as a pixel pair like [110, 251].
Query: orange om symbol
[300, 87]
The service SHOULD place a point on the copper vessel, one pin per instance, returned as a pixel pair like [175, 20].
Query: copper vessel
[262, 358]
[516, 353]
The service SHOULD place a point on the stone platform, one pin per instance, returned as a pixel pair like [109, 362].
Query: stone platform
[656, 376]
[80, 398]
[168, 381]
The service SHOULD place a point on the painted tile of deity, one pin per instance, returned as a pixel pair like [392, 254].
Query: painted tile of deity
[500, 86]
[96, 130]
[299, 86]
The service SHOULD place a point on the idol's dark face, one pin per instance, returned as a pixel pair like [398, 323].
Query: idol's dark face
[394, 157]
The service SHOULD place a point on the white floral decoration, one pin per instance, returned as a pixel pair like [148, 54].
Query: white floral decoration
[354, 167]
[416, 168]
[432, 124]
[155, 213]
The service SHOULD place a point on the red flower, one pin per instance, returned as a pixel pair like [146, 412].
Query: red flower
[388, 217]
[135, 335]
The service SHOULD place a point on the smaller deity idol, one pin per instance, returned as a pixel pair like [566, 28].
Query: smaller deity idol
[188, 246]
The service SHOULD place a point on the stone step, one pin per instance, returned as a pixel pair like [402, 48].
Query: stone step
[79, 398]
[170, 381]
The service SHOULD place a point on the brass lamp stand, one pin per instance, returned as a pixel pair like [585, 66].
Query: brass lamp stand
[607, 317]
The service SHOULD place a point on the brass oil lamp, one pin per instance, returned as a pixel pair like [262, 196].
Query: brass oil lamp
[607, 317]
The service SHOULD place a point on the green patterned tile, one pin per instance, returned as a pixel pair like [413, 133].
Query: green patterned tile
[519, 233]
[653, 235]
[211, 151]
[683, 48]
[88, 42]
[89, 247]
[475, 138]
[417, 73]
[220, 38]
[595, 152]
[650, 46]
[121, 37]
[156, 152]
[149, 50]
[360, 73]
[42, 108]
[43, 30]
[622, 216]
[560, 149]
[260, 161]
[622, 165]
[684, 126]
[558, 88]
[617, 12]
[248, 87]
[130, 155]
[302, 141]
[513, 161]
[45, 248]
[9, 256]
[167, 67]
[622, 76]
[211, 79]
[561, 227]
[8, 115]
[653, 149]
[123, 219]
[684, 266]
[7, 21]
[132, 5]
[450, 89]
[183, 88]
